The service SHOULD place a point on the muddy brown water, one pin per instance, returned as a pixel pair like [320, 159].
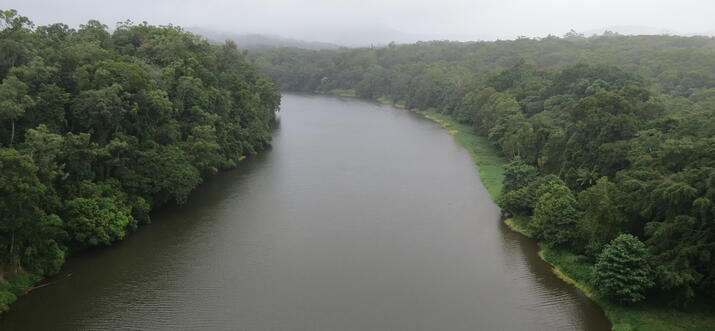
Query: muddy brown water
[360, 217]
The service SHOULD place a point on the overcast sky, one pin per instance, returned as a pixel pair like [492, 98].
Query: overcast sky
[326, 20]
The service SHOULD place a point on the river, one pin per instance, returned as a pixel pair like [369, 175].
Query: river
[360, 217]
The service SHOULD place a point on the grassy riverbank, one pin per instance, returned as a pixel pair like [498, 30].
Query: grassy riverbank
[653, 314]
[490, 164]
[389, 101]
[343, 93]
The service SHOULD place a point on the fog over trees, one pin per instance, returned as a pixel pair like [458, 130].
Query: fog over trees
[361, 23]
[601, 112]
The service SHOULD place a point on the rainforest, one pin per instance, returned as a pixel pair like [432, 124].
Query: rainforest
[98, 129]
[610, 144]
[600, 148]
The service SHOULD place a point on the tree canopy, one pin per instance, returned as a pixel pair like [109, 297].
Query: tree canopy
[99, 127]
[608, 135]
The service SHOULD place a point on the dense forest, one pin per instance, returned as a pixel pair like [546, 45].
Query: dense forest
[611, 139]
[98, 128]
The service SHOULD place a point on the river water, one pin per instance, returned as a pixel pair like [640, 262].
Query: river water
[360, 217]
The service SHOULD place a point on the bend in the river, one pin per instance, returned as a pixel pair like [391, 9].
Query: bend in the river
[361, 217]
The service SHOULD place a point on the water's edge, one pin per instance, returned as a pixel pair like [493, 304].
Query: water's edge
[490, 174]
[24, 282]
[483, 150]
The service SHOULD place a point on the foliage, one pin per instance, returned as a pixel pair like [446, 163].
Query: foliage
[555, 215]
[625, 123]
[518, 174]
[623, 271]
[98, 127]
[603, 218]
[16, 285]
[653, 313]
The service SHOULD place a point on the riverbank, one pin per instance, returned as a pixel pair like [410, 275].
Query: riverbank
[14, 286]
[259, 216]
[489, 164]
[653, 314]
[485, 156]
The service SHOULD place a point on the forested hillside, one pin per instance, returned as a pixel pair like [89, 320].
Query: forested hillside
[254, 42]
[98, 128]
[611, 140]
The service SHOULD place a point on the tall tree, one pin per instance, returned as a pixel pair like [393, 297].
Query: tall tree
[13, 102]
[623, 271]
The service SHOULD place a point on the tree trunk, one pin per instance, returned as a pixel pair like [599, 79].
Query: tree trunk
[12, 250]
[12, 132]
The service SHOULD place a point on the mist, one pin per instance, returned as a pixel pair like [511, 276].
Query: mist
[362, 22]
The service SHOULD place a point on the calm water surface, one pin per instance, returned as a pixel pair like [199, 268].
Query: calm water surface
[361, 217]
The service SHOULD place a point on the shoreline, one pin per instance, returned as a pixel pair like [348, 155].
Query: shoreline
[654, 314]
[15, 285]
[489, 164]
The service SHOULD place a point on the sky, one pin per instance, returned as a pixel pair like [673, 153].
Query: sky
[340, 21]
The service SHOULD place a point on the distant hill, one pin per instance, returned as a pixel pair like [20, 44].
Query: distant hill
[334, 38]
[260, 41]
[645, 30]
[363, 36]
[710, 33]
[366, 36]
[632, 30]
[376, 35]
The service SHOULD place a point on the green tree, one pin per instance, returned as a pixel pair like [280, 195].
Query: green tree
[45, 250]
[27, 230]
[516, 202]
[15, 40]
[518, 174]
[20, 187]
[623, 271]
[556, 214]
[515, 189]
[603, 219]
[168, 174]
[99, 112]
[103, 125]
[13, 102]
[44, 148]
[99, 215]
